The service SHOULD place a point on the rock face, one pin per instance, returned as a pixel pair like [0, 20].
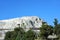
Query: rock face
[28, 22]
[25, 22]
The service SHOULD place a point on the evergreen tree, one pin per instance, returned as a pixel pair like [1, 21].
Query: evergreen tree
[55, 25]
[55, 22]
[30, 35]
[45, 30]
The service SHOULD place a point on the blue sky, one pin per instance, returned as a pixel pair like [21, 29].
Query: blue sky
[45, 9]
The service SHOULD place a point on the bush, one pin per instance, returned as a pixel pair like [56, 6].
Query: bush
[20, 34]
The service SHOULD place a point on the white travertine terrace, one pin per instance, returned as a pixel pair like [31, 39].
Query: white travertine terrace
[25, 22]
